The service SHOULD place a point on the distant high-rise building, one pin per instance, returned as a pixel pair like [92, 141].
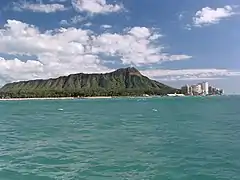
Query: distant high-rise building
[201, 89]
[210, 90]
[197, 89]
[205, 87]
[185, 89]
[188, 89]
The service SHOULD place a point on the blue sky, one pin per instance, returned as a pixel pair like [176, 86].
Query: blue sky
[176, 42]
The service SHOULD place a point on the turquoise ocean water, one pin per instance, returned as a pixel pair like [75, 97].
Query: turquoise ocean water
[121, 139]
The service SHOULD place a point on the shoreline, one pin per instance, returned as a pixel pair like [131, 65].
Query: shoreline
[94, 97]
[72, 98]
[54, 98]
[24, 99]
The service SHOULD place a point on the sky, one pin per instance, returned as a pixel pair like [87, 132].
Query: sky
[174, 42]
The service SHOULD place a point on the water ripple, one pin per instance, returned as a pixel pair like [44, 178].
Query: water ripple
[120, 139]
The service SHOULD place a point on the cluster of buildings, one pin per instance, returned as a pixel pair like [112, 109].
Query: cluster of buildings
[201, 89]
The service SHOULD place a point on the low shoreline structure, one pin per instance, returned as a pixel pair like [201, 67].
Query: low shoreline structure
[96, 97]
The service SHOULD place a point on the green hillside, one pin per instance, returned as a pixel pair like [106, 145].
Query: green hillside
[122, 82]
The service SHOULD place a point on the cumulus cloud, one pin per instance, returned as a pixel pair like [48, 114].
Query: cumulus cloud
[15, 69]
[71, 50]
[96, 6]
[207, 15]
[136, 46]
[45, 8]
[189, 74]
[11, 70]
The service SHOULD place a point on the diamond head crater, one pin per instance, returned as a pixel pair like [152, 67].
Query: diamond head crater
[121, 82]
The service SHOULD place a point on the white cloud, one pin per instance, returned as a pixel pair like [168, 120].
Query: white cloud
[106, 26]
[136, 47]
[15, 69]
[88, 24]
[189, 74]
[178, 57]
[96, 6]
[207, 15]
[71, 50]
[59, 1]
[180, 16]
[140, 32]
[77, 19]
[46, 8]
[74, 20]
[64, 22]
[188, 27]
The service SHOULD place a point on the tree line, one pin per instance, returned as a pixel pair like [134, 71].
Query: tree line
[83, 93]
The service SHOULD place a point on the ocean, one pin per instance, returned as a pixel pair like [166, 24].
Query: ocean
[190, 138]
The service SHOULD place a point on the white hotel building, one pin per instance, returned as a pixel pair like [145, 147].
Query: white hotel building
[197, 89]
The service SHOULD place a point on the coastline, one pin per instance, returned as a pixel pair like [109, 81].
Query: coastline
[54, 98]
[72, 98]
[95, 97]
[24, 99]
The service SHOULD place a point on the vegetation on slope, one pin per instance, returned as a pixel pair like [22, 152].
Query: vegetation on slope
[122, 82]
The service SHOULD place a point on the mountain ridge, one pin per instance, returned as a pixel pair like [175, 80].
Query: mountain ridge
[121, 82]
